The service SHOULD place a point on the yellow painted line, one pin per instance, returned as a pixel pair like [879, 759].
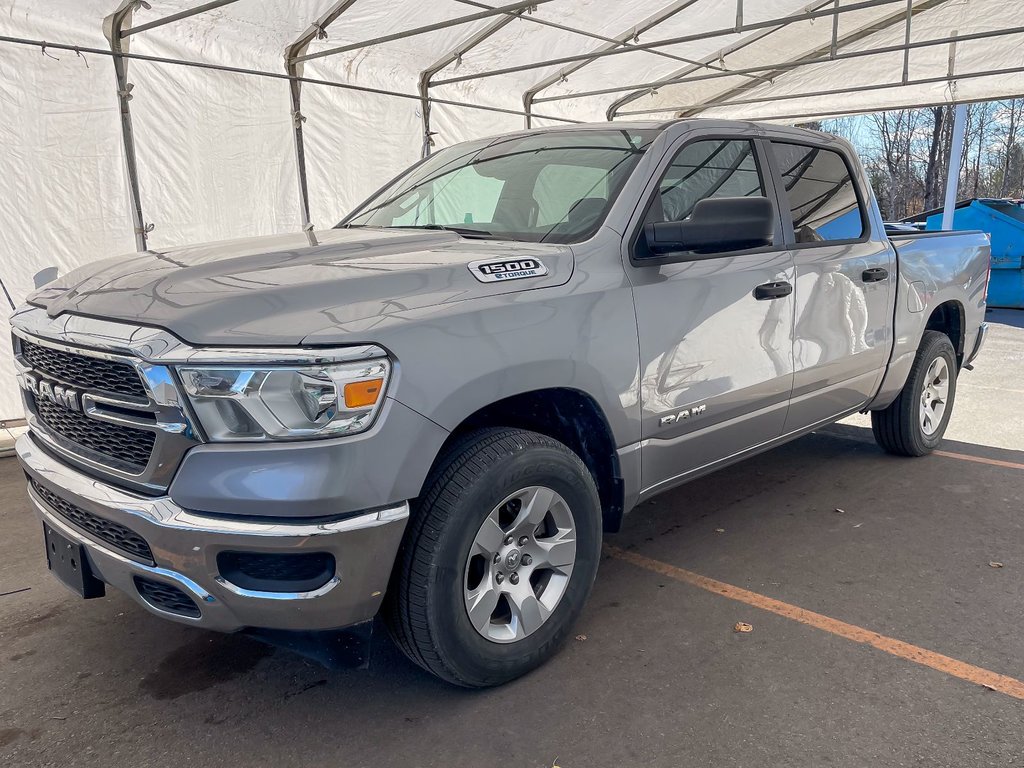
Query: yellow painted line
[979, 459]
[972, 674]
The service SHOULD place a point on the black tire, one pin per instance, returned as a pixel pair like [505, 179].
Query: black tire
[897, 429]
[425, 608]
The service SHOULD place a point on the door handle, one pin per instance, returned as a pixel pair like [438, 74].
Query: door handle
[770, 291]
[874, 275]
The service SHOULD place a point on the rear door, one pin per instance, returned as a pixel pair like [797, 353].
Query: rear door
[715, 362]
[844, 282]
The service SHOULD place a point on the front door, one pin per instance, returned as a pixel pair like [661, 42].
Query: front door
[716, 361]
[844, 284]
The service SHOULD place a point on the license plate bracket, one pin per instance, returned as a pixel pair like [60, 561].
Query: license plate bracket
[68, 562]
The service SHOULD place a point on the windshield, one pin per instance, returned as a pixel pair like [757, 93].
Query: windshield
[551, 187]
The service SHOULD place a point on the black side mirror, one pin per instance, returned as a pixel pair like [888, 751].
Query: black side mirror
[717, 225]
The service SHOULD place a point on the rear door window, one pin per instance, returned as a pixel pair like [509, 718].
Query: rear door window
[821, 192]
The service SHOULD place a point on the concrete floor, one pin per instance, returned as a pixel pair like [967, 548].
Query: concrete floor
[660, 679]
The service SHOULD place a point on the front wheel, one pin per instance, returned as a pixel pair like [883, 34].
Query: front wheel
[913, 425]
[499, 558]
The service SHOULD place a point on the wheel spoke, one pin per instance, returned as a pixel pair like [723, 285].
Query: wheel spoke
[556, 552]
[536, 503]
[480, 604]
[528, 613]
[489, 537]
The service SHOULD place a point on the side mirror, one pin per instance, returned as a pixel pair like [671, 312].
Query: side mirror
[717, 225]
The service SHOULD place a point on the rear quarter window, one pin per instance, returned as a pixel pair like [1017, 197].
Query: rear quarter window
[821, 192]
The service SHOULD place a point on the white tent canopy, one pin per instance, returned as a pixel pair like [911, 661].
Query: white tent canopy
[220, 95]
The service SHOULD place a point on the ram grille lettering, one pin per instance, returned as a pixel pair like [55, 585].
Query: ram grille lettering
[55, 393]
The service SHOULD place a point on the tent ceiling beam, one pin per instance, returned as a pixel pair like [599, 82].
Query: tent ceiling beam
[688, 109]
[272, 75]
[797, 117]
[521, 5]
[615, 43]
[631, 35]
[789, 65]
[176, 17]
[718, 55]
[782, 20]
[850, 38]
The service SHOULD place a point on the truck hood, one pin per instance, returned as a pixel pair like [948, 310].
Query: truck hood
[279, 289]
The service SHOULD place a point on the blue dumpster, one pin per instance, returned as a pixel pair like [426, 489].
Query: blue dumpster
[1004, 221]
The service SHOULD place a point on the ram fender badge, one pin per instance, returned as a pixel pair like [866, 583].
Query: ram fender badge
[683, 415]
[499, 270]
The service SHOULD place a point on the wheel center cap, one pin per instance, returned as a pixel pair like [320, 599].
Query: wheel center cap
[512, 559]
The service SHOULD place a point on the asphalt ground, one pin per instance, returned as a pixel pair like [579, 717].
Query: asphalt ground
[883, 634]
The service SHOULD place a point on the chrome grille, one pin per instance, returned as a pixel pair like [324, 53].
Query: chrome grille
[91, 373]
[115, 534]
[124, 420]
[127, 445]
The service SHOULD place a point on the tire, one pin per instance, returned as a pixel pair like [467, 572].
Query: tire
[901, 429]
[441, 567]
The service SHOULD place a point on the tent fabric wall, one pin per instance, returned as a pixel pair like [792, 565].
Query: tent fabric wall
[215, 149]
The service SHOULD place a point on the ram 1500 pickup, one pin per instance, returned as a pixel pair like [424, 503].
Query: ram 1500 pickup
[437, 407]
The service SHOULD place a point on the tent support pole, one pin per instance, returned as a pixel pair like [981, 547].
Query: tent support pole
[318, 29]
[953, 173]
[454, 55]
[112, 27]
[906, 41]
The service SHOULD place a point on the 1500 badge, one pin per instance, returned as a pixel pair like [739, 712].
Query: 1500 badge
[506, 269]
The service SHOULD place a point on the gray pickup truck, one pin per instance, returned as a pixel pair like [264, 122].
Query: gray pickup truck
[436, 408]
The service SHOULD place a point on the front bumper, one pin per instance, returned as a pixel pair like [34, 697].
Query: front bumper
[185, 546]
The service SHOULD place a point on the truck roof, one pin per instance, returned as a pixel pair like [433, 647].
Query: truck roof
[660, 125]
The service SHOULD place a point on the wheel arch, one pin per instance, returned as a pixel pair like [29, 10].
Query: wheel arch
[948, 318]
[572, 417]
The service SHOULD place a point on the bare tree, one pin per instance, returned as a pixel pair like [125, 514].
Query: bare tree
[895, 133]
[938, 155]
[906, 153]
[1011, 114]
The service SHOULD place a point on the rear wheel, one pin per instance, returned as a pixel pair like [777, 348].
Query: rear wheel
[498, 560]
[913, 425]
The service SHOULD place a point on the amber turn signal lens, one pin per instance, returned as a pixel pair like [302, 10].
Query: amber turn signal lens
[359, 394]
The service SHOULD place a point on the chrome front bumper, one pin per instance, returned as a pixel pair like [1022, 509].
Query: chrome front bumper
[185, 546]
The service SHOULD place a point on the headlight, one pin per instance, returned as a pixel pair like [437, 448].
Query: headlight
[286, 403]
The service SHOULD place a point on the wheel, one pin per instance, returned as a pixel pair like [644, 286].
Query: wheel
[498, 559]
[913, 425]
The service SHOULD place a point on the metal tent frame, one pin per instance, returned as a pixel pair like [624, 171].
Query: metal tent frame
[119, 29]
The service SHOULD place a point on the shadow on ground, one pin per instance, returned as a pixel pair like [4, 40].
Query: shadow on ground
[657, 676]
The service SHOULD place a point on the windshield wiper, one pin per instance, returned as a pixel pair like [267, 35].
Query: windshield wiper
[467, 231]
[464, 231]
